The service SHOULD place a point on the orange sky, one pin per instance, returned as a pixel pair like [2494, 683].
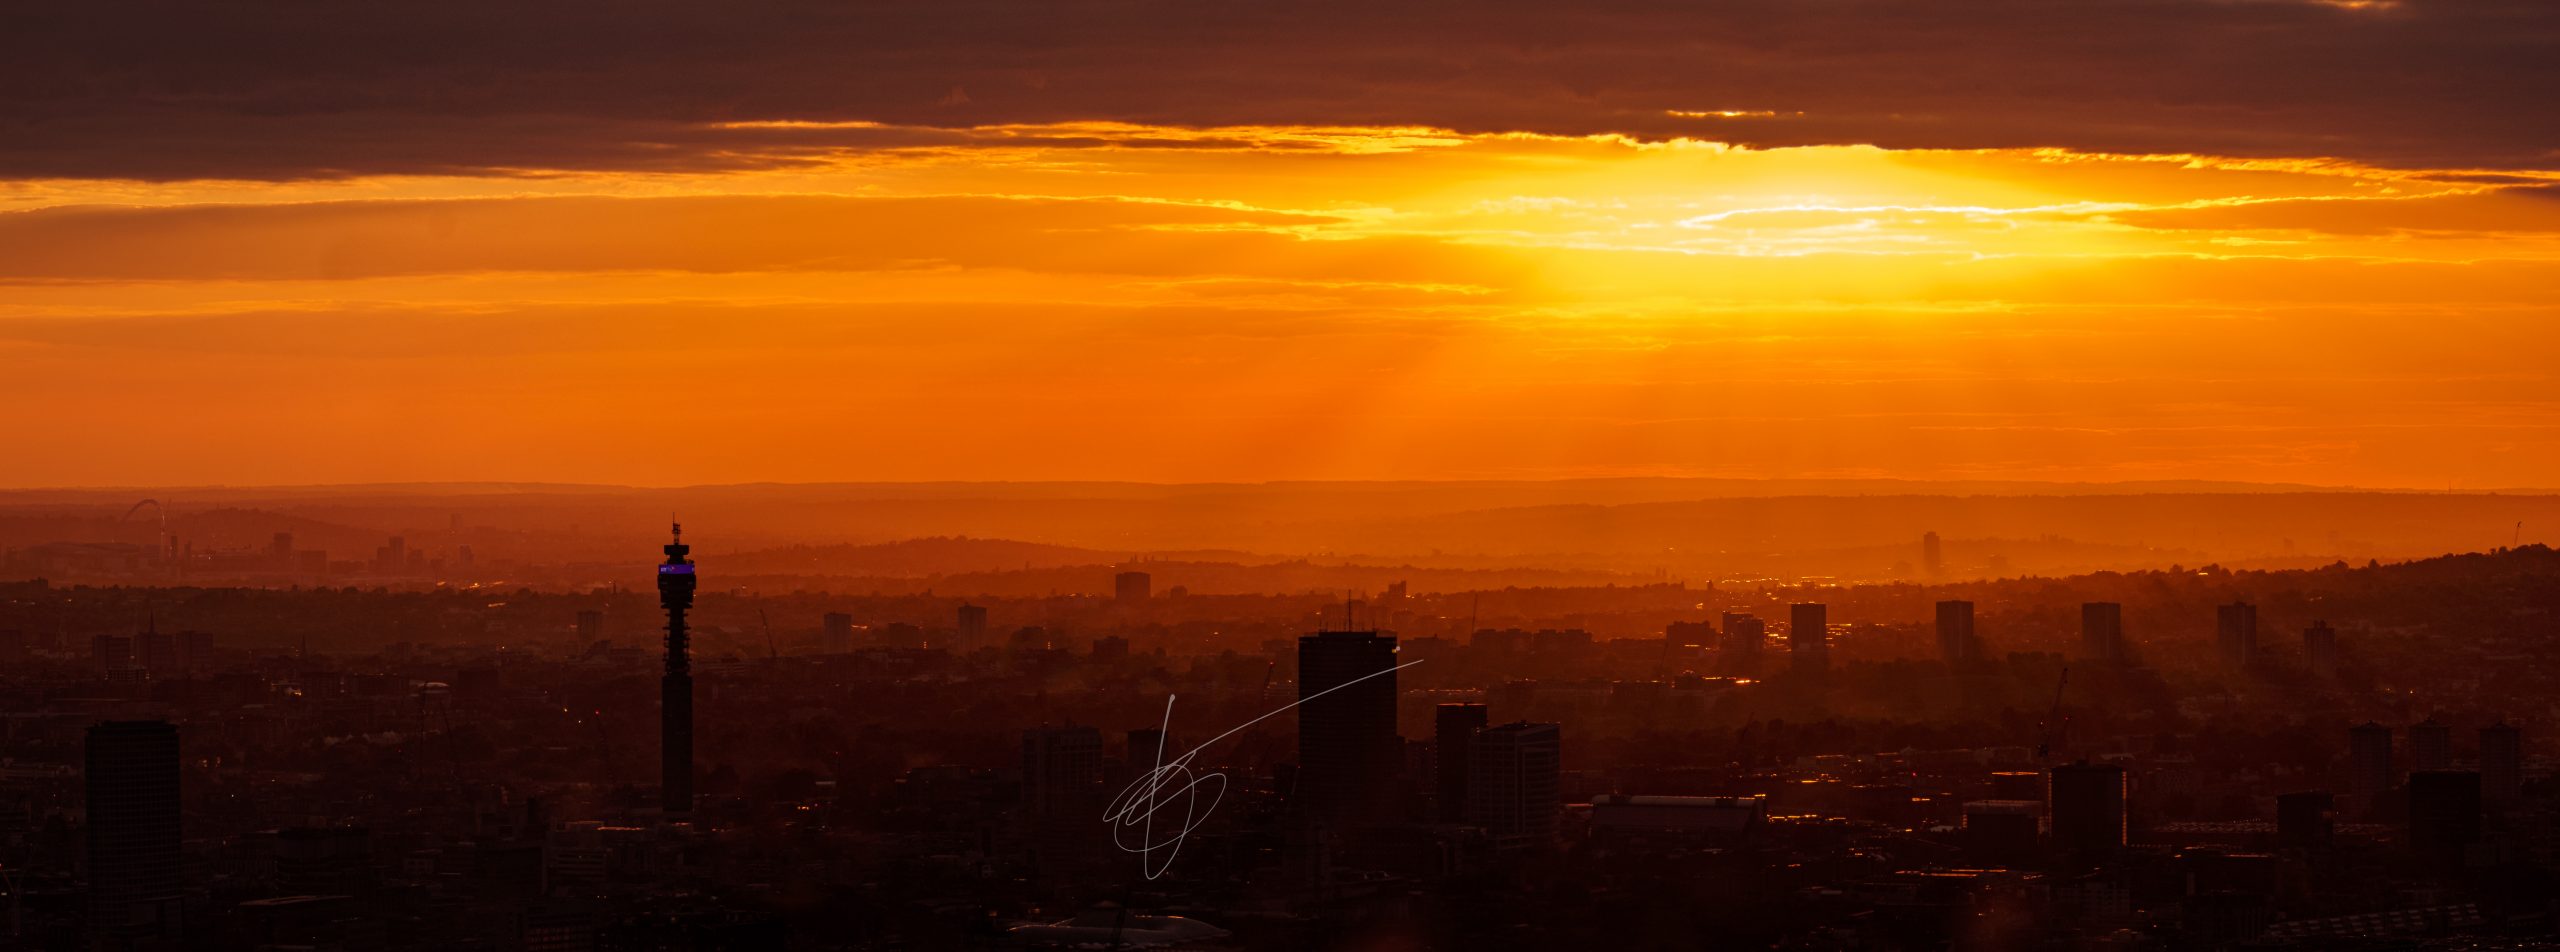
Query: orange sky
[667, 242]
[1110, 300]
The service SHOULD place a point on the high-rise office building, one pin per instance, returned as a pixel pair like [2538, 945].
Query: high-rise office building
[2368, 764]
[1453, 730]
[2087, 805]
[590, 627]
[136, 882]
[2102, 632]
[2236, 631]
[1809, 636]
[2430, 746]
[1131, 587]
[1514, 772]
[2501, 763]
[2444, 816]
[675, 688]
[1955, 633]
[1348, 750]
[973, 628]
[1932, 559]
[2320, 649]
[835, 633]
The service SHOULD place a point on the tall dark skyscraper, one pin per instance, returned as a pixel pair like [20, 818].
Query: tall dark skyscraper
[136, 883]
[1132, 587]
[1955, 632]
[2102, 632]
[1347, 745]
[2236, 629]
[675, 689]
[1809, 636]
[1932, 557]
[1513, 775]
[2087, 802]
[973, 629]
[1453, 732]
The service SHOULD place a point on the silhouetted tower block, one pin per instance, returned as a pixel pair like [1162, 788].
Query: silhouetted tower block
[1809, 636]
[2236, 630]
[1955, 633]
[1348, 750]
[2087, 803]
[2102, 632]
[1514, 773]
[2444, 816]
[1062, 797]
[835, 633]
[675, 688]
[1932, 559]
[590, 627]
[2320, 647]
[1129, 587]
[1744, 637]
[2368, 763]
[2501, 763]
[2430, 746]
[136, 878]
[973, 627]
[1453, 731]
[2307, 820]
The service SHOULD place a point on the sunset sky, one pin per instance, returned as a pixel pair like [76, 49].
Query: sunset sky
[656, 243]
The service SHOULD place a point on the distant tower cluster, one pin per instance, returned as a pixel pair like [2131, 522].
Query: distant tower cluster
[675, 689]
[1132, 587]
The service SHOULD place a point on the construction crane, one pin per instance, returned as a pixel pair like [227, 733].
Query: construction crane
[2052, 718]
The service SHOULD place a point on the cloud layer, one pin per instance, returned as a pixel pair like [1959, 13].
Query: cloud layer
[278, 90]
